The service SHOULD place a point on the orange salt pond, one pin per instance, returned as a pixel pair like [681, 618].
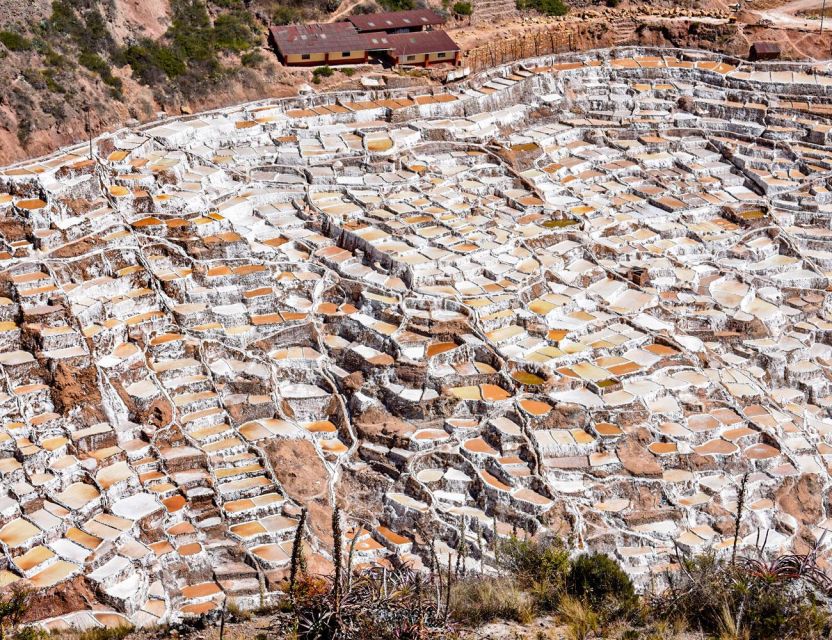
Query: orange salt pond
[535, 407]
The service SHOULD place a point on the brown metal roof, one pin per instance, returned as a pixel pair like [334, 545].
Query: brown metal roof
[377, 42]
[408, 44]
[317, 38]
[390, 20]
[766, 47]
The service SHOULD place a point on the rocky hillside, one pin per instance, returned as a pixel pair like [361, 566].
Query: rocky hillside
[128, 59]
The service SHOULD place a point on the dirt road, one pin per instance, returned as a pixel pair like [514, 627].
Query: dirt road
[786, 15]
[343, 10]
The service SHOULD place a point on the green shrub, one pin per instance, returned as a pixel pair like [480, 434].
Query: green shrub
[364, 8]
[96, 35]
[99, 65]
[463, 9]
[547, 7]
[83, 24]
[286, 15]
[34, 78]
[52, 83]
[601, 582]
[64, 20]
[191, 33]
[53, 58]
[540, 566]
[763, 601]
[348, 71]
[30, 633]
[325, 71]
[234, 32]
[13, 41]
[14, 602]
[397, 5]
[153, 63]
[252, 59]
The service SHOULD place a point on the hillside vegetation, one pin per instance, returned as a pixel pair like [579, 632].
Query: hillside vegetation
[585, 596]
[121, 59]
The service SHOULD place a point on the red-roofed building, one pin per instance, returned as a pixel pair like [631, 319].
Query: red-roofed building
[318, 44]
[343, 43]
[424, 48]
[396, 21]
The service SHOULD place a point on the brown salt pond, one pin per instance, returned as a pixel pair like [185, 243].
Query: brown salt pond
[527, 378]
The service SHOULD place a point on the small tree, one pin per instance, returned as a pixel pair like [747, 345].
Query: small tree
[601, 582]
[463, 8]
[13, 606]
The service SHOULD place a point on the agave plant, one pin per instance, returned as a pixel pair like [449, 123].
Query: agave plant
[788, 568]
[377, 605]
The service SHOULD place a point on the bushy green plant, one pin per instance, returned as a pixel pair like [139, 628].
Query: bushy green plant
[463, 9]
[764, 601]
[99, 65]
[191, 33]
[324, 72]
[252, 59]
[397, 5]
[83, 24]
[65, 21]
[286, 15]
[547, 7]
[364, 8]
[601, 582]
[30, 633]
[14, 603]
[151, 63]
[234, 31]
[540, 566]
[13, 41]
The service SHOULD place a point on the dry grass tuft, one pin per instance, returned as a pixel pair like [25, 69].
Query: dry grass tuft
[480, 600]
[580, 620]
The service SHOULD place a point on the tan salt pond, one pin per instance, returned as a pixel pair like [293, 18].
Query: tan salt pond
[18, 532]
[761, 452]
[55, 573]
[717, 446]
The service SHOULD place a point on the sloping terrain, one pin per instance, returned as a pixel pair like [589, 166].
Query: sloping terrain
[584, 295]
[122, 60]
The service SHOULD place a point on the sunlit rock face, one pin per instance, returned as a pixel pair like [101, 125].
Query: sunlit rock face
[584, 296]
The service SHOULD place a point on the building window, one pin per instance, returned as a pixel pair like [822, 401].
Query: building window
[305, 56]
[410, 58]
[346, 54]
[441, 55]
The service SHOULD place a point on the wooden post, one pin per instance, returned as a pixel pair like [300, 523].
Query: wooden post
[222, 617]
